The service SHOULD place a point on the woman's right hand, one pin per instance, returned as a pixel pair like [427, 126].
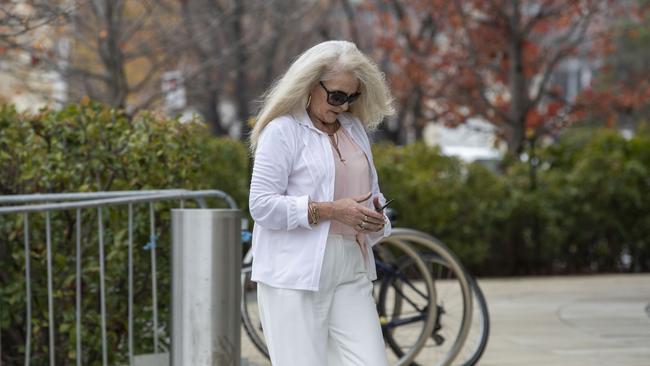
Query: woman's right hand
[351, 212]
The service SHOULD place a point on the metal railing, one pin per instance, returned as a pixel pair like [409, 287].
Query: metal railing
[48, 203]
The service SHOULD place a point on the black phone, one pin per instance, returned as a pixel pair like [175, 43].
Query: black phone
[384, 206]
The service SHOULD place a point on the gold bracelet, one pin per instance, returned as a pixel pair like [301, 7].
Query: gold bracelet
[310, 213]
[313, 213]
[316, 213]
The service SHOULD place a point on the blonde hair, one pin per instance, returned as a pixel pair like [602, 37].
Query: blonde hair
[320, 63]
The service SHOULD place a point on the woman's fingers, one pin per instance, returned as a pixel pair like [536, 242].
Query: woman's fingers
[358, 216]
[373, 222]
[369, 228]
[374, 228]
[372, 216]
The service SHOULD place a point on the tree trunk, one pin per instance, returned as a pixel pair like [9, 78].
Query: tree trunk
[112, 56]
[241, 59]
[418, 122]
[210, 111]
[518, 87]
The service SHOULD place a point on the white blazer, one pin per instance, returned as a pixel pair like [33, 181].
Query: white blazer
[293, 163]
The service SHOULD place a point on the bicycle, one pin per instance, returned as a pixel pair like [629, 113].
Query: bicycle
[461, 328]
[406, 292]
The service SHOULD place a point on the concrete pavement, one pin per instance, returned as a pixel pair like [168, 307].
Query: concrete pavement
[586, 320]
[560, 321]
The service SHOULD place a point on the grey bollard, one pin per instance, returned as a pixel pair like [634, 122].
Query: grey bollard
[206, 266]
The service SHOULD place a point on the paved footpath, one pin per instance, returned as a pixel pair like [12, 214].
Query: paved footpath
[560, 321]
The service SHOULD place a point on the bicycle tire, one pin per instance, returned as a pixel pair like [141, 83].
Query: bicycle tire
[480, 328]
[459, 279]
[385, 255]
[391, 286]
[478, 335]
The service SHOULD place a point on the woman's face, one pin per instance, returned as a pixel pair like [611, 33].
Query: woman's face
[319, 108]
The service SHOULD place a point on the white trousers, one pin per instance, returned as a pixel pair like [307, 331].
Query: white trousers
[334, 326]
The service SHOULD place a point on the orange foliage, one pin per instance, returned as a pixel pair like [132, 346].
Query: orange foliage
[474, 49]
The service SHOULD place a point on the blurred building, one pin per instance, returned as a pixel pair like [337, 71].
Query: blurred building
[475, 140]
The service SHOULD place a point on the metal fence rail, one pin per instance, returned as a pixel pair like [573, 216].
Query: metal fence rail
[48, 203]
[76, 196]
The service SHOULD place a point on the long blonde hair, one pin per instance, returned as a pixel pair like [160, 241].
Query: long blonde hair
[321, 62]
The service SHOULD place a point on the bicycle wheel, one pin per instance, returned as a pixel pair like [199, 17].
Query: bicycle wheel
[409, 289]
[453, 303]
[479, 332]
[249, 310]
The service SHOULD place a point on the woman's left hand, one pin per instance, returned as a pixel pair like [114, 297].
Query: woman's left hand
[379, 227]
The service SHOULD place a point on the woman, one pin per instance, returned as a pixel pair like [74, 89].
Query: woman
[312, 194]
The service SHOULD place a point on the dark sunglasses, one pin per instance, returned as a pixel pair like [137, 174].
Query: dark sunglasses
[337, 97]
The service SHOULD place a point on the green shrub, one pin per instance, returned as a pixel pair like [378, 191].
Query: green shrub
[602, 195]
[588, 206]
[84, 148]
[460, 204]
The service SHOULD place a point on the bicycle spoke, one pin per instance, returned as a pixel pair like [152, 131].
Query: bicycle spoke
[401, 275]
[405, 321]
[408, 299]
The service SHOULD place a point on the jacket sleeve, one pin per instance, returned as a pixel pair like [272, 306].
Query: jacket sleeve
[269, 205]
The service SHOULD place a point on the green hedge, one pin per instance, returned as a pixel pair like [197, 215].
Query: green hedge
[92, 148]
[590, 204]
[457, 203]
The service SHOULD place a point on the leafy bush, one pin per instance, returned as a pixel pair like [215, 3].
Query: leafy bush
[460, 204]
[84, 148]
[601, 189]
[588, 209]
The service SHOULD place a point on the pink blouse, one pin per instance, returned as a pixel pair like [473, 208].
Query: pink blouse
[352, 177]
